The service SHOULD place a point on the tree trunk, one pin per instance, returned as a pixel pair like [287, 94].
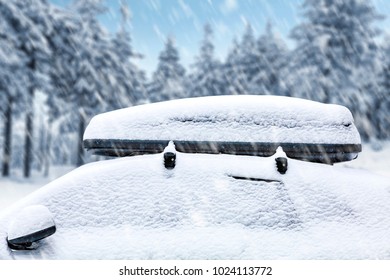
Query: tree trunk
[7, 138]
[327, 95]
[28, 137]
[46, 157]
[80, 146]
[42, 144]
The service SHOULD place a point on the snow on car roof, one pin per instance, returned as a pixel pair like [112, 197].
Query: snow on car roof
[243, 118]
[204, 208]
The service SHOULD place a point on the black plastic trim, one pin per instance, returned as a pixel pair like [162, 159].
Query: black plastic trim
[323, 153]
[254, 179]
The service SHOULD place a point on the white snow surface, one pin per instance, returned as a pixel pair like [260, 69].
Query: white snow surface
[134, 208]
[29, 220]
[243, 118]
[170, 148]
[15, 187]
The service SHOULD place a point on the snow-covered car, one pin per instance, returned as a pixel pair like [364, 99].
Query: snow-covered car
[193, 201]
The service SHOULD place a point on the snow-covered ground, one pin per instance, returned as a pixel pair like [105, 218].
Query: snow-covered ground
[373, 159]
[14, 188]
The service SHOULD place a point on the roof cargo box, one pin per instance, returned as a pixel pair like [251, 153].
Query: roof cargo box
[242, 125]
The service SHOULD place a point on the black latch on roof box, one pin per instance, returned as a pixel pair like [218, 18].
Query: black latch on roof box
[170, 156]
[281, 164]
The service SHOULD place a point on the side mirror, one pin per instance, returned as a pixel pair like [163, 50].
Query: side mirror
[30, 225]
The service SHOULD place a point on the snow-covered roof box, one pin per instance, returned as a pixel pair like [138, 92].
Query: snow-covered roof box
[242, 125]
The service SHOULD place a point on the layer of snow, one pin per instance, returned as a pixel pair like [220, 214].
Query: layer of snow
[135, 208]
[11, 190]
[30, 220]
[219, 242]
[170, 148]
[235, 118]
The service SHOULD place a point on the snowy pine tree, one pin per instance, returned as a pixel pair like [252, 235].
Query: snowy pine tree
[36, 48]
[241, 63]
[29, 25]
[335, 46]
[11, 64]
[63, 42]
[169, 78]
[207, 78]
[127, 80]
[92, 63]
[382, 111]
[249, 55]
[236, 82]
[271, 59]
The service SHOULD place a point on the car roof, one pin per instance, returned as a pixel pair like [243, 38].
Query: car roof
[209, 194]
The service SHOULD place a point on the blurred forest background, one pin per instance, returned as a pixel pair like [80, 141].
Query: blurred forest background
[59, 67]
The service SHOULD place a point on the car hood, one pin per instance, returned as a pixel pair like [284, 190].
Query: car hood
[211, 207]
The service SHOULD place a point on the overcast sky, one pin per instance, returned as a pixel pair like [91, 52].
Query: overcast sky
[153, 20]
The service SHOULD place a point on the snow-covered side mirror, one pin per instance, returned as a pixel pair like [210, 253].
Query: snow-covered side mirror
[30, 225]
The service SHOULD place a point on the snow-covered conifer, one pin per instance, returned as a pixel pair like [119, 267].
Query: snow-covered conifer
[28, 25]
[335, 46]
[12, 61]
[93, 50]
[271, 57]
[382, 112]
[207, 77]
[236, 82]
[127, 80]
[241, 64]
[169, 79]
